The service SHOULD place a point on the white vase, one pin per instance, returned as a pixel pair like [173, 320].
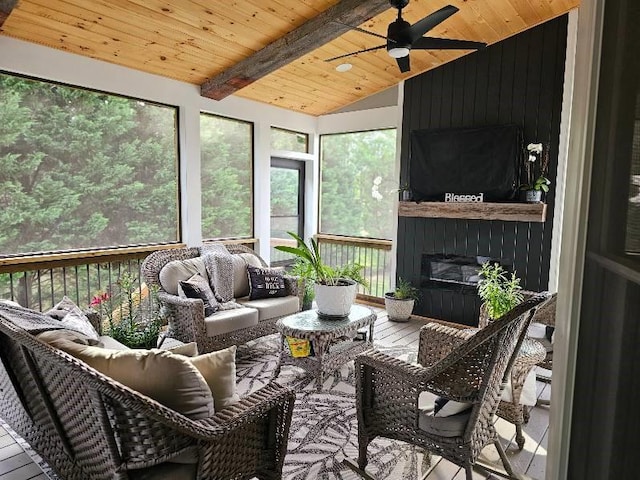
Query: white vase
[336, 300]
[398, 310]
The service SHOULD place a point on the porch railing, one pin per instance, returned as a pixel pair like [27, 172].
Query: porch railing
[373, 254]
[40, 285]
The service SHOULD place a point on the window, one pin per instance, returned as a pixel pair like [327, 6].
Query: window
[81, 169]
[358, 186]
[286, 140]
[287, 206]
[226, 174]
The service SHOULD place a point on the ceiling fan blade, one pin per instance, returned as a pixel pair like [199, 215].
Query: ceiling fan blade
[430, 43]
[421, 27]
[355, 53]
[363, 30]
[404, 64]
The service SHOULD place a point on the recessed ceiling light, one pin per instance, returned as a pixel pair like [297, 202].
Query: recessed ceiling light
[344, 67]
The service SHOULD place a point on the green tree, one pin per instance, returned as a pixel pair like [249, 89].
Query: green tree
[226, 175]
[358, 186]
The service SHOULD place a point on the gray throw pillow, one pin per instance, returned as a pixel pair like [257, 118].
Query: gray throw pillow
[198, 287]
[72, 317]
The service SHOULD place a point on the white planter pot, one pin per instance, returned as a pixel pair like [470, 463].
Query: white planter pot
[336, 300]
[398, 310]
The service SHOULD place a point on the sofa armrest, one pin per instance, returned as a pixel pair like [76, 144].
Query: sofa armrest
[294, 287]
[185, 317]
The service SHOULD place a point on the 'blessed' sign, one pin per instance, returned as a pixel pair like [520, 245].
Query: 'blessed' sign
[454, 197]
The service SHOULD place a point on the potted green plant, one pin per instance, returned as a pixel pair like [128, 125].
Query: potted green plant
[304, 271]
[405, 193]
[498, 291]
[335, 287]
[399, 303]
[535, 168]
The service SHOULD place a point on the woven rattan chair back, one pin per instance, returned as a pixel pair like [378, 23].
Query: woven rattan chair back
[457, 365]
[89, 427]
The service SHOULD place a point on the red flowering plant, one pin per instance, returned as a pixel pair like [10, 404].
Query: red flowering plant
[131, 312]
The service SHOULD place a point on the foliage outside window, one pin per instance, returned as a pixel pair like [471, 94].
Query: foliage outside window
[288, 141]
[358, 187]
[81, 169]
[226, 175]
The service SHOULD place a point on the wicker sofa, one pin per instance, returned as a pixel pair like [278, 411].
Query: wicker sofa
[90, 427]
[187, 319]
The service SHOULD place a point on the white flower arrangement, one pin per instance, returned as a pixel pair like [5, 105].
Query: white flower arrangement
[536, 175]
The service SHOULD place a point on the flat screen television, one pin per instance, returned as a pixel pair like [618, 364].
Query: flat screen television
[465, 161]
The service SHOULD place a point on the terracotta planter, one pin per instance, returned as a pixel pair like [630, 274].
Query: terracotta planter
[336, 300]
[398, 310]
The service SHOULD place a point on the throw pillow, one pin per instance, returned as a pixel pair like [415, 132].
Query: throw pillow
[187, 349]
[219, 370]
[167, 378]
[72, 317]
[265, 283]
[198, 287]
[51, 336]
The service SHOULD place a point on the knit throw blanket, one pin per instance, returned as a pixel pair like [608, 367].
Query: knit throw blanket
[219, 265]
[32, 321]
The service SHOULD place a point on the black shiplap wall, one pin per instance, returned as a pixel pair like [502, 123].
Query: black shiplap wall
[520, 81]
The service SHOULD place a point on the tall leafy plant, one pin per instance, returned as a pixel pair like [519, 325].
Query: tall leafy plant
[317, 270]
[498, 291]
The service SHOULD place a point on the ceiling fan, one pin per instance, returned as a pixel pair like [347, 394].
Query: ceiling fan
[402, 37]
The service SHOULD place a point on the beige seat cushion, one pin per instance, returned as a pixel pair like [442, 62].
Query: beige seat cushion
[219, 370]
[240, 278]
[225, 321]
[180, 270]
[272, 307]
[167, 378]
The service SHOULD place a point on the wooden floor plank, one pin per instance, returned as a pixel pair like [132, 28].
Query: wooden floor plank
[25, 472]
[12, 463]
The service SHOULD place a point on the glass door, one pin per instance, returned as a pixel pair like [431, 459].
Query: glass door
[287, 206]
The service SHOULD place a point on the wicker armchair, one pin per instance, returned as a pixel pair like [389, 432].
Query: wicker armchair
[531, 353]
[186, 315]
[455, 365]
[88, 427]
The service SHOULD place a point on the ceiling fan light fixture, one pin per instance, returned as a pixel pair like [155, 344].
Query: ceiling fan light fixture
[344, 67]
[398, 52]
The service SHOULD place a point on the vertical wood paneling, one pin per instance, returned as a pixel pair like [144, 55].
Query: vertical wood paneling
[519, 80]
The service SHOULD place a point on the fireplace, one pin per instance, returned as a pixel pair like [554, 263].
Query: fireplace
[453, 280]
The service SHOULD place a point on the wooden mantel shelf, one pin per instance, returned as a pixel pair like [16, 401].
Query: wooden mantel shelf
[510, 212]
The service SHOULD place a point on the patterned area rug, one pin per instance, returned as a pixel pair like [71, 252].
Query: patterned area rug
[324, 428]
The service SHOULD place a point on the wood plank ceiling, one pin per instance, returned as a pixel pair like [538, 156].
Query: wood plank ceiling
[195, 40]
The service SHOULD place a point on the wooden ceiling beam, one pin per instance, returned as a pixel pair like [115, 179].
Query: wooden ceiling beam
[6, 6]
[323, 28]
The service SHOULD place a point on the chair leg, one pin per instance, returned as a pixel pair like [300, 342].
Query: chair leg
[469, 471]
[363, 443]
[519, 437]
[505, 461]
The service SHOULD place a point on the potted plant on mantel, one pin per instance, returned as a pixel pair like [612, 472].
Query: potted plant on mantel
[535, 168]
[335, 287]
[399, 303]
